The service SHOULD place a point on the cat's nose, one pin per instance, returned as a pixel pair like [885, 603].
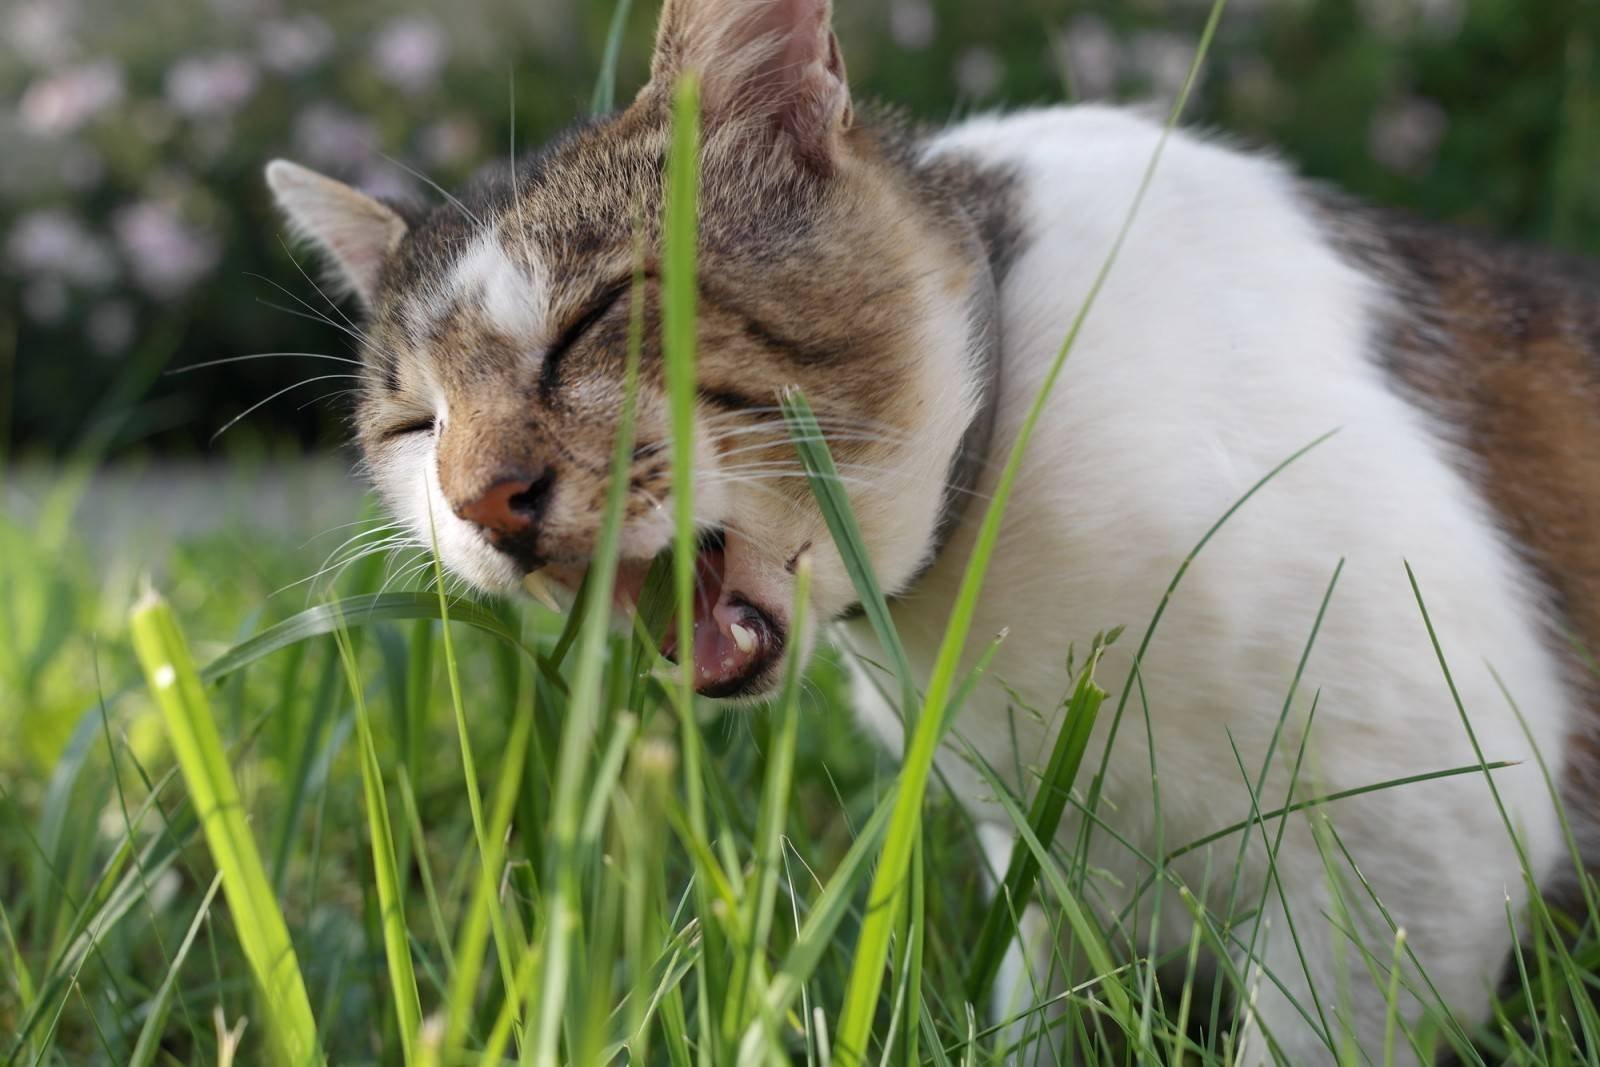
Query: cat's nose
[511, 505]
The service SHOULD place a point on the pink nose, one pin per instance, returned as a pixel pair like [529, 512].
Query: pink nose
[511, 505]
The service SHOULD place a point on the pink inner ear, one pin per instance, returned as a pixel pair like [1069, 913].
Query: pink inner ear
[796, 79]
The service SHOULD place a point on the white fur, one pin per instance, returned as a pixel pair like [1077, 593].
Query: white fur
[513, 295]
[1229, 335]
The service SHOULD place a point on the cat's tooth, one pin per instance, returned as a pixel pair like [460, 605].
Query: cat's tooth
[539, 589]
[743, 638]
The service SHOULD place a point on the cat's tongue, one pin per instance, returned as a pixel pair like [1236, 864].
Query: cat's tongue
[733, 639]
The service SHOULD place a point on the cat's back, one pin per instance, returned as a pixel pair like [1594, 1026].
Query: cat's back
[1248, 313]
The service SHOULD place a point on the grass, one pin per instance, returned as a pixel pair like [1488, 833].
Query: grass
[498, 835]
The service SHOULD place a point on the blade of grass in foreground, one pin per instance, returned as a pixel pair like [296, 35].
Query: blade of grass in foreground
[828, 488]
[488, 869]
[564, 859]
[1044, 816]
[263, 935]
[144, 1050]
[391, 912]
[888, 884]
[679, 264]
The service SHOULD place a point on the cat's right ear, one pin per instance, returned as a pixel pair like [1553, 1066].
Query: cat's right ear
[762, 63]
[354, 231]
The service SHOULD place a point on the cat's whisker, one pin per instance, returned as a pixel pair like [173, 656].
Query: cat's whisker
[436, 187]
[327, 396]
[332, 306]
[247, 412]
[888, 474]
[187, 367]
[309, 312]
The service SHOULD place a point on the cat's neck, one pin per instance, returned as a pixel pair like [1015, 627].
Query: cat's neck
[979, 204]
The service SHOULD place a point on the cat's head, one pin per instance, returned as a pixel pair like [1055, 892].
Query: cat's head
[831, 258]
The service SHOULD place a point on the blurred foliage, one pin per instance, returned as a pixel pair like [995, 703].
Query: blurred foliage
[135, 231]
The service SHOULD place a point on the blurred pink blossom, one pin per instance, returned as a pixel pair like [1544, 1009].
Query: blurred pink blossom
[51, 243]
[387, 182]
[449, 141]
[166, 255]
[1091, 55]
[61, 102]
[912, 24]
[979, 71]
[211, 85]
[1164, 58]
[327, 136]
[409, 52]
[1405, 135]
[291, 45]
[41, 31]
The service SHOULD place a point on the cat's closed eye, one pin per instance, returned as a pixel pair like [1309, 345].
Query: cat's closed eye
[425, 424]
[587, 316]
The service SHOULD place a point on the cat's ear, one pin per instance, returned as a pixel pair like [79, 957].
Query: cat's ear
[775, 64]
[355, 232]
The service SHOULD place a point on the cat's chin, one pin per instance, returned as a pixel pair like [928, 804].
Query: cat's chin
[741, 613]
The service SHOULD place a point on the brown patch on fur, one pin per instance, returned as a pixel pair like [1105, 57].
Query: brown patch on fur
[1501, 346]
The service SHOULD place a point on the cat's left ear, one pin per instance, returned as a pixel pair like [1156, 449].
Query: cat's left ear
[771, 64]
[354, 231]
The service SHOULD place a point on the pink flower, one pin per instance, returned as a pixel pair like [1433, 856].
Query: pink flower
[212, 85]
[326, 136]
[60, 103]
[409, 52]
[291, 45]
[166, 255]
[53, 244]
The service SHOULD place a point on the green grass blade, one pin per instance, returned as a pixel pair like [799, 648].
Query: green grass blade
[775, 791]
[391, 910]
[149, 1042]
[1044, 817]
[263, 935]
[473, 940]
[1084, 930]
[605, 86]
[828, 488]
[563, 880]
[679, 331]
[352, 611]
[815, 938]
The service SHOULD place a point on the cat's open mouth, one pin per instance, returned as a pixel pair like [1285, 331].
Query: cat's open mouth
[736, 642]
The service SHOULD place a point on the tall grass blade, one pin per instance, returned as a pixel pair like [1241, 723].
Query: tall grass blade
[679, 313]
[605, 86]
[1044, 816]
[564, 877]
[149, 1042]
[488, 870]
[828, 489]
[263, 935]
[391, 908]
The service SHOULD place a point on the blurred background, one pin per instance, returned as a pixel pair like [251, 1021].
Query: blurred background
[136, 236]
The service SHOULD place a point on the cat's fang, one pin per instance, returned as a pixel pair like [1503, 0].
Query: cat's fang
[743, 638]
[539, 589]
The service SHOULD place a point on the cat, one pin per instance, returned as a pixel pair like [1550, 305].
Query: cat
[916, 286]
